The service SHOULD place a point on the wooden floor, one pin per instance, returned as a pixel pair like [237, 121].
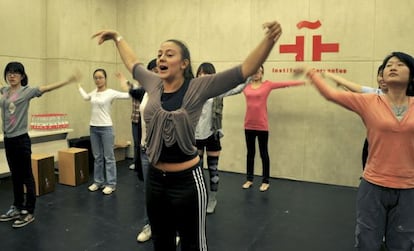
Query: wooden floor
[291, 216]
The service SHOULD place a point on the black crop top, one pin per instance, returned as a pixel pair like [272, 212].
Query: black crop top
[171, 102]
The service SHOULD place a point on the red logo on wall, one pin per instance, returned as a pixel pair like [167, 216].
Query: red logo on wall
[317, 47]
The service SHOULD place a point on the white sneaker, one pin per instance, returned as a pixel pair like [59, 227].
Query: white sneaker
[25, 218]
[132, 166]
[108, 190]
[211, 205]
[177, 240]
[145, 234]
[12, 214]
[94, 187]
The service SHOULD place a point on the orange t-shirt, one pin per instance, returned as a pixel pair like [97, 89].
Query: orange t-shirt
[391, 142]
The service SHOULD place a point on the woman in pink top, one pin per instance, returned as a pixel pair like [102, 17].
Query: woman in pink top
[385, 199]
[256, 124]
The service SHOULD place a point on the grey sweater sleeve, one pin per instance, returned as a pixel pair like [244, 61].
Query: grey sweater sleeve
[146, 78]
[213, 85]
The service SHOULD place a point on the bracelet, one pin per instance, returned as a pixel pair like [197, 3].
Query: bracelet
[118, 39]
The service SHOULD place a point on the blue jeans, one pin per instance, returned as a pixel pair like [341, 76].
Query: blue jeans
[145, 166]
[102, 143]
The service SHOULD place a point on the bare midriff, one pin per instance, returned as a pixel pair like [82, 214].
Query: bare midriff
[176, 167]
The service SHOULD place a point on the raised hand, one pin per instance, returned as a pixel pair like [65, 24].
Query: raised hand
[105, 35]
[75, 77]
[273, 30]
[120, 77]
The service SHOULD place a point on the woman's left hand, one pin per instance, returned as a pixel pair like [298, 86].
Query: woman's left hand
[273, 30]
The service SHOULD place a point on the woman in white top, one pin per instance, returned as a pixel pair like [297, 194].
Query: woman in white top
[209, 131]
[101, 132]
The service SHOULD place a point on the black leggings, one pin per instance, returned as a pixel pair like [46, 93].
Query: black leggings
[176, 203]
[263, 138]
[18, 154]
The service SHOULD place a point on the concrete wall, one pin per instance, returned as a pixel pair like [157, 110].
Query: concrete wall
[310, 138]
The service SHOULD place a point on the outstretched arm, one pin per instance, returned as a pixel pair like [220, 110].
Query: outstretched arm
[236, 90]
[50, 87]
[319, 82]
[259, 55]
[82, 92]
[340, 81]
[287, 83]
[125, 51]
[353, 101]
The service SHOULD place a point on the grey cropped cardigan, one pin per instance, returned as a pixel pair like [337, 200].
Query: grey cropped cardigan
[170, 127]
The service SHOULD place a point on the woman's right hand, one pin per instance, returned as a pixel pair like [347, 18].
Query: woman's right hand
[105, 35]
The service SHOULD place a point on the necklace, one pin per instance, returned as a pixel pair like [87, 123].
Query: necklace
[399, 110]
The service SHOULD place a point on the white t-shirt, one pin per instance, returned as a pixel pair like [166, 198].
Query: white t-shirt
[101, 105]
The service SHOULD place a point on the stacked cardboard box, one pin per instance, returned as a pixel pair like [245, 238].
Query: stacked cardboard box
[43, 168]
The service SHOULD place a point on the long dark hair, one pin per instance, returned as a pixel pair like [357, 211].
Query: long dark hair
[16, 67]
[409, 62]
[185, 54]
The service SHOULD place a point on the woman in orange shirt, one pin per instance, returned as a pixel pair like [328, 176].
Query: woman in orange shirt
[385, 199]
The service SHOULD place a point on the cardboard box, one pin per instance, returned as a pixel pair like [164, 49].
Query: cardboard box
[43, 168]
[73, 166]
[120, 150]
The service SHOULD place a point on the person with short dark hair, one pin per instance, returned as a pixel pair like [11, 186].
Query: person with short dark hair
[14, 103]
